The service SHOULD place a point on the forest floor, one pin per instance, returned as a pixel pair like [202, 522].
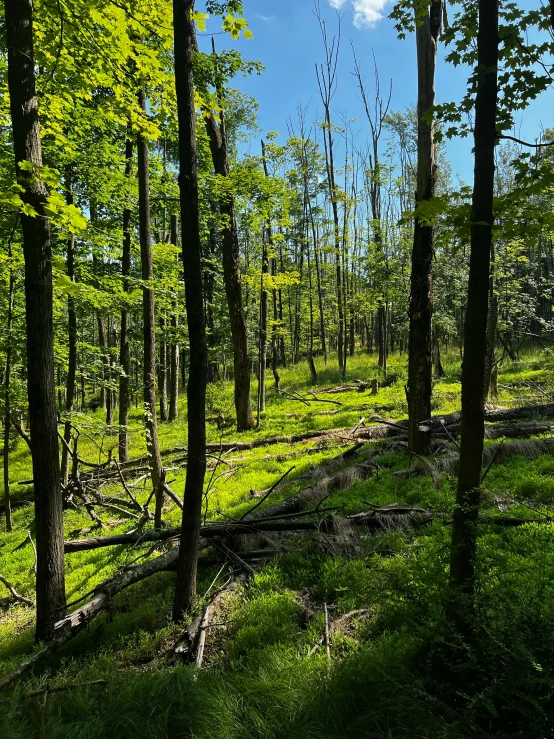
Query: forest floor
[267, 672]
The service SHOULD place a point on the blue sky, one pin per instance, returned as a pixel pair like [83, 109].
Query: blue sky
[288, 42]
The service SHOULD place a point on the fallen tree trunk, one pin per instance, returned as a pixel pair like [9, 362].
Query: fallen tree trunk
[493, 454]
[238, 528]
[71, 625]
[509, 430]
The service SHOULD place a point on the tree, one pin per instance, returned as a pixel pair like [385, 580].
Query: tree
[219, 146]
[149, 321]
[35, 224]
[464, 530]
[124, 349]
[184, 35]
[421, 306]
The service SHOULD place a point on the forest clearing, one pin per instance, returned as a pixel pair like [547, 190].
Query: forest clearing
[277, 412]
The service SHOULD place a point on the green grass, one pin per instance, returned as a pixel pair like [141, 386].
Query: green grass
[261, 682]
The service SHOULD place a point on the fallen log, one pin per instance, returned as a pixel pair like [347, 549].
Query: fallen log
[493, 454]
[75, 622]
[238, 528]
[509, 430]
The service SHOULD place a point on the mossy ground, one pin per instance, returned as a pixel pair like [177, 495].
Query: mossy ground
[261, 681]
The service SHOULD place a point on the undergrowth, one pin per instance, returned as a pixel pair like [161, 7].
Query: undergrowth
[262, 677]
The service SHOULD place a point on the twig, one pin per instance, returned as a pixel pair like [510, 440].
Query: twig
[266, 496]
[125, 486]
[214, 580]
[452, 439]
[174, 497]
[327, 645]
[493, 458]
[15, 594]
[236, 559]
[202, 636]
[34, 550]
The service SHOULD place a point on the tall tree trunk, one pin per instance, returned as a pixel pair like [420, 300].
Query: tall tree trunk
[262, 356]
[104, 354]
[311, 363]
[174, 347]
[72, 345]
[420, 365]
[149, 322]
[109, 390]
[162, 372]
[184, 40]
[50, 590]
[124, 348]
[492, 322]
[459, 609]
[231, 274]
[7, 382]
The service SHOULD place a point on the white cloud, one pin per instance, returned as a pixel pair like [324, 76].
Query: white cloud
[366, 12]
[265, 17]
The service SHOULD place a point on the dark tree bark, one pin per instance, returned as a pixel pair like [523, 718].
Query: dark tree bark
[149, 322]
[50, 588]
[124, 348]
[459, 609]
[72, 344]
[232, 277]
[174, 360]
[184, 40]
[420, 368]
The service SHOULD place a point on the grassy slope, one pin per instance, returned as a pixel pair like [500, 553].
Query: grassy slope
[264, 684]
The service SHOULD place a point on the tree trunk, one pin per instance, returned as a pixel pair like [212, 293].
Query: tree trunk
[492, 322]
[50, 578]
[262, 357]
[72, 346]
[459, 609]
[124, 348]
[104, 354]
[162, 372]
[231, 276]
[7, 381]
[420, 368]
[184, 40]
[174, 347]
[149, 322]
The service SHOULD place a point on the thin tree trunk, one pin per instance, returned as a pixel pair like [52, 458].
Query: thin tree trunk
[149, 323]
[50, 589]
[492, 322]
[459, 609]
[263, 332]
[124, 348]
[109, 391]
[184, 41]
[104, 354]
[174, 360]
[7, 381]
[231, 274]
[72, 346]
[420, 365]
[162, 374]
